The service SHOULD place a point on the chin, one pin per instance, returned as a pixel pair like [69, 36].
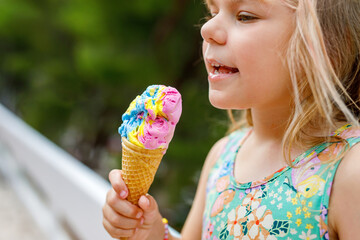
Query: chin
[224, 102]
[221, 102]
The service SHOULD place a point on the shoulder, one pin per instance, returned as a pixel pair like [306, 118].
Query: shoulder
[215, 152]
[344, 209]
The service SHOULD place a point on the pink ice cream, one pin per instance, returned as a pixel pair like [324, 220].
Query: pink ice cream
[151, 118]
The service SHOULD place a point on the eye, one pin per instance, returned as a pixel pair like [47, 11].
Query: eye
[245, 17]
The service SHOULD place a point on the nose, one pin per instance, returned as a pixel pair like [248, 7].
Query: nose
[213, 31]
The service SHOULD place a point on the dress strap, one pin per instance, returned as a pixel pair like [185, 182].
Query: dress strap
[349, 133]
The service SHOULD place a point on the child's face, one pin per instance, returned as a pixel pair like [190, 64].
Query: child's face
[248, 38]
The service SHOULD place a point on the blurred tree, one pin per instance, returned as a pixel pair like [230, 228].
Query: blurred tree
[71, 67]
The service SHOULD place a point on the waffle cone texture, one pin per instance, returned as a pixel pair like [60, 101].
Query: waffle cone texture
[139, 167]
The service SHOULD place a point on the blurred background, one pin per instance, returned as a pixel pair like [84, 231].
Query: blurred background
[70, 68]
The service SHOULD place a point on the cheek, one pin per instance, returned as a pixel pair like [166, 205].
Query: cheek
[204, 47]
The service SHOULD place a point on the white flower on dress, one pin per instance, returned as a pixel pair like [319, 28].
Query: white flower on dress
[288, 192]
[293, 231]
[253, 200]
[279, 206]
[260, 222]
[280, 189]
[307, 236]
[235, 218]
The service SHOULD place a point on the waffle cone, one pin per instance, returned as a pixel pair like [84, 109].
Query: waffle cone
[139, 166]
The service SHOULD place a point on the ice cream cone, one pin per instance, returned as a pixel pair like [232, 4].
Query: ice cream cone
[139, 166]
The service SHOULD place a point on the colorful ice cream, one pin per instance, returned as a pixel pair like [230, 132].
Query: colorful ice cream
[150, 120]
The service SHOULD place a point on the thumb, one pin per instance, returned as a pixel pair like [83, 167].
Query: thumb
[148, 204]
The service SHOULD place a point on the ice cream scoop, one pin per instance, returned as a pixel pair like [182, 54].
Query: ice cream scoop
[150, 120]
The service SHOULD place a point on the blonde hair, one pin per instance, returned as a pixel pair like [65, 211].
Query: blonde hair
[323, 58]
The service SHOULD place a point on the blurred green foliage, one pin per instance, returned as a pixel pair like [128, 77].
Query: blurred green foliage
[71, 67]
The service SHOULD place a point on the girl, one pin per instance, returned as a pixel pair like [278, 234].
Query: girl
[291, 171]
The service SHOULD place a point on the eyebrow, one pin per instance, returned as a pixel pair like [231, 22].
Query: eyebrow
[211, 2]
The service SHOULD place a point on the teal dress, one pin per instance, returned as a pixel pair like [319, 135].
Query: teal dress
[292, 203]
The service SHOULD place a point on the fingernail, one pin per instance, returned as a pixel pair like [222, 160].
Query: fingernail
[147, 202]
[142, 221]
[139, 215]
[123, 194]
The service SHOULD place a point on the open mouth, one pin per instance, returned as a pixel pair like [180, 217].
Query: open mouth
[217, 68]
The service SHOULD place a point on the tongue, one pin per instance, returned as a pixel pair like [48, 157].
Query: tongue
[225, 69]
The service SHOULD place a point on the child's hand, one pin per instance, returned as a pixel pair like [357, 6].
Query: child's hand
[123, 219]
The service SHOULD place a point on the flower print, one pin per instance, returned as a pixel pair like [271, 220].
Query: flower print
[307, 168]
[223, 199]
[294, 201]
[225, 168]
[209, 231]
[311, 186]
[222, 183]
[309, 226]
[324, 212]
[253, 200]
[288, 192]
[322, 225]
[260, 222]
[350, 133]
[332, 151]
[236, 219]
[307, 236]
[212, 180]
[241, 195]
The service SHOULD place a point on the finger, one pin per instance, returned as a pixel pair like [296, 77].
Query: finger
[117, 232]
[148, 204]
[123, 207]
[117, 182]
[119, 221]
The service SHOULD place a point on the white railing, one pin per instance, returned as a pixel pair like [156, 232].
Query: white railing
[61, 193]
[64, 196]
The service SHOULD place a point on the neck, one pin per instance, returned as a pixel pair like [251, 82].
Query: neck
[270, 124]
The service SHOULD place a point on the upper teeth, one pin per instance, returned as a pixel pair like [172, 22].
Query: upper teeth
[216, 65]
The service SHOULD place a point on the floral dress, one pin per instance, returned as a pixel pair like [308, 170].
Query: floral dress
[292, 203]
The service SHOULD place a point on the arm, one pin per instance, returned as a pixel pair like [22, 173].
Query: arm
[344, 207]
[193, 224]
